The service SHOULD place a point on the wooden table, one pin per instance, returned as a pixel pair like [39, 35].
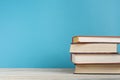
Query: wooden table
[49, 74]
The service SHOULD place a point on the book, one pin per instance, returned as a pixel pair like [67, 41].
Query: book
[93, 48]
[85, 39]
[95, 58]
[99, 68]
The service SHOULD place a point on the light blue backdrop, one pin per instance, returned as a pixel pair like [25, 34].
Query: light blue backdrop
[37, 33]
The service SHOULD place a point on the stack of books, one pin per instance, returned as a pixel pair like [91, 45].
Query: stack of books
[95, 54]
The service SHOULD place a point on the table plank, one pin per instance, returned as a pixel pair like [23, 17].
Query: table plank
[49, 74]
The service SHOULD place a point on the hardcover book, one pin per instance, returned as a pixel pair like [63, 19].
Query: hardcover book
[99, 68]
[95, 58]
[107, 39]
[93, 48]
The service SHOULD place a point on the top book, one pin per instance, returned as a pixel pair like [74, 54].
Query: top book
[96, 39]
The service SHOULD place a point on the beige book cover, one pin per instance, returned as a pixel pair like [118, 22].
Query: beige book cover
[102, 68]
[95, 58]
[93, 48]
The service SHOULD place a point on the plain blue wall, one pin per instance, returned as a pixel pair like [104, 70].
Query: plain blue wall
[37, 33]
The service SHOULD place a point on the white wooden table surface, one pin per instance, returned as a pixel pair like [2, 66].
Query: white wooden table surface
[49, 74]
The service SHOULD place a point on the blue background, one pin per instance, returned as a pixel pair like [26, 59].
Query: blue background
[38, 33]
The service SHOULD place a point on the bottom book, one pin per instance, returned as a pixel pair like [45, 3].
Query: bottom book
[97, 68]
